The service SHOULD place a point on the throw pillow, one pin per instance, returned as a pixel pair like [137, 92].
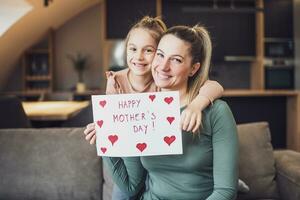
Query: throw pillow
[256, 161]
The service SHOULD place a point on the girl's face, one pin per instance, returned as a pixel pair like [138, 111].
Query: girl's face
[171, 66]
[140, 50]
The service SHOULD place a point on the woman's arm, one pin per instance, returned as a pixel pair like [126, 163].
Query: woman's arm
[127, 173]
[191, 116]
[225, 153]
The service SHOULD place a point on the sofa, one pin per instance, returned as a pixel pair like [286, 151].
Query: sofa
[58, 164]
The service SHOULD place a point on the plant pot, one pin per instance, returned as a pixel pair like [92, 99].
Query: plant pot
[80, 87]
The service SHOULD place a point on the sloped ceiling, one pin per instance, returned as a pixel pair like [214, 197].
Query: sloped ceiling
[33, 26]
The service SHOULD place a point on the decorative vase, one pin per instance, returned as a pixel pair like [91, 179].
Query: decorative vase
[80, 87]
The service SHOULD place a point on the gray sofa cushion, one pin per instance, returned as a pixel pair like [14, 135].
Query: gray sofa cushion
[288, 173]
[48, 164]
[257, 163]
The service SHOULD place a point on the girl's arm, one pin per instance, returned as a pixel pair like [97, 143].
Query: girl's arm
[191, 116]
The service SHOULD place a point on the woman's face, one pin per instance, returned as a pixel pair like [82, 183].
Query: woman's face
[171, 65]
[140, 50]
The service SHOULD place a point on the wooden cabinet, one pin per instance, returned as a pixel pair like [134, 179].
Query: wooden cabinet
[230, 23]
[238, 27]
[278, 18]
[121, 15]
[37, 66]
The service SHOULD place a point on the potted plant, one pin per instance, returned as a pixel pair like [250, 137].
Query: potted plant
[79, 62]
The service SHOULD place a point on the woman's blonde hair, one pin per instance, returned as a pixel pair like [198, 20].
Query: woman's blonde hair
[200, 51]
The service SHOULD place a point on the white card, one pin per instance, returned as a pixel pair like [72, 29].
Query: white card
[141, 124]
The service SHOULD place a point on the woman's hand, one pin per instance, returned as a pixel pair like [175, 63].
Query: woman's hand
[90, 133]
[191, 118]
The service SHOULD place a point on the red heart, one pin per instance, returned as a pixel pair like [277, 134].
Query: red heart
[168, 100]
[141, 146]
[113, 138]
[102, 103]
[169, 140]
[170, 119]
[103, 149]
[152, 97]
[100, 123]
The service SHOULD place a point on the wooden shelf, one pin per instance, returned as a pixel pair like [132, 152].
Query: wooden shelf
[249, 93]
[37, 64]
[38, 78]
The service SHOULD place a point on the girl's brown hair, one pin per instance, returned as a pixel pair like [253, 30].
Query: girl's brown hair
[155, 26]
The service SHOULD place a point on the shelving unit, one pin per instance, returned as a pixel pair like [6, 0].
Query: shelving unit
[37, 64]
[251, 11]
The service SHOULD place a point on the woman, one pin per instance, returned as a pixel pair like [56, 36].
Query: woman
[207, 169]
[141, 44]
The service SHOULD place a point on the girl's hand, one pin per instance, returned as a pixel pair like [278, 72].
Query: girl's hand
[191, 118]
[90, 133]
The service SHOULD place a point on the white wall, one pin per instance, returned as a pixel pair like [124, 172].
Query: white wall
[81, 34]
[29, 30]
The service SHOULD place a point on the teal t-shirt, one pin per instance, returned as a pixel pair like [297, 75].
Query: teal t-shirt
[207, 169]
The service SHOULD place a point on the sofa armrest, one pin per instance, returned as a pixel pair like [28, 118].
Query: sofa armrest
[288, 173]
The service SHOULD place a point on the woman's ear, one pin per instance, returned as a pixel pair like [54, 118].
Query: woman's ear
[194, 69]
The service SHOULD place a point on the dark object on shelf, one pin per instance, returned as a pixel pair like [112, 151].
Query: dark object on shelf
[279, 63]
[12, 114]
[279, 48]
[279, 77]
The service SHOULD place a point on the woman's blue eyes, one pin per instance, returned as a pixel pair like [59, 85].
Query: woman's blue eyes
[174, 60]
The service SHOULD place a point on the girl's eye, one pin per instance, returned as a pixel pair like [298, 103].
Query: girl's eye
[132, 48]
[149, 50]
[160, 55]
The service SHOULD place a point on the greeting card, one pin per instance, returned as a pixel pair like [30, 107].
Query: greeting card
[141, 124]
